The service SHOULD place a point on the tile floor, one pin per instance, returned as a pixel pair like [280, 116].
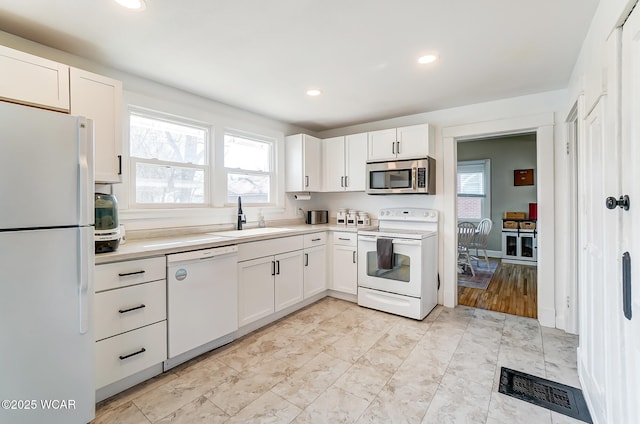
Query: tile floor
[335, 362]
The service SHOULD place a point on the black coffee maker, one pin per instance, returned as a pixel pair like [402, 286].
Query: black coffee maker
[107, 228]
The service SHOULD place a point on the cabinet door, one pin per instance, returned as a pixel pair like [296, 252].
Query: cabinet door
[345, 269]
[356, 162]
[334, 163]
[288, 279]
[100, 99]
[315, 270]
[255, 289]
[414, 142]
[312, 163]
[32, 80]
[382, 144]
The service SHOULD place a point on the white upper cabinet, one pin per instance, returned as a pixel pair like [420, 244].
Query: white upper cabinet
[334, 160]
[32, 80]
[382, 145]
[400, 143]
[304, 163]
[345, 161]
[100, 99]
[356, 162]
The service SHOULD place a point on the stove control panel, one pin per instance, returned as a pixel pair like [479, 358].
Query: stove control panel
[408, 214]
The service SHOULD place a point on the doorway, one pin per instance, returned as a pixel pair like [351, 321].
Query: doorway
[496, 176]
[543, 126]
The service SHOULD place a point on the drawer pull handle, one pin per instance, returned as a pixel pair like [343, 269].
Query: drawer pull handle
[343, 238]
[126, 274]
[123, 357]
[124, 311]
[318, 239]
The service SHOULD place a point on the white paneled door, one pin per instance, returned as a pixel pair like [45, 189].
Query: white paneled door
[593, 262]
[609, 353]
[630, 153]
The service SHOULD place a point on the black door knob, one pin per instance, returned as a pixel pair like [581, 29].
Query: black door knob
[622, 202]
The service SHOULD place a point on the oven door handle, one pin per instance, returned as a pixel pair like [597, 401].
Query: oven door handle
[367, 238]
[407, 242]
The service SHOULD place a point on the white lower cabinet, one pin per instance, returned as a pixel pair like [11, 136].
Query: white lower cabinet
[288, 280]
[315, 270]
[315, 264]
[255, 289]
[270, 277]
[345, 262]
[125, 354]
[129, 308]
[130, 315]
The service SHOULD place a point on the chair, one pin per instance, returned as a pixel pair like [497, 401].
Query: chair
[480, 241]
[466, 235]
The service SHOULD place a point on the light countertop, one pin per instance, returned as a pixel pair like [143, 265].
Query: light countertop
[160, 246]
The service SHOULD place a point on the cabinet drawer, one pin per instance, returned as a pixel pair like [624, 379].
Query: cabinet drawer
[125, 309]
[122, 274]
[123, 355]
[260, 249]
[345, 238]
[315, 239]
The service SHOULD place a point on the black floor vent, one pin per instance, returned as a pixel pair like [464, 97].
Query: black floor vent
[548, 394]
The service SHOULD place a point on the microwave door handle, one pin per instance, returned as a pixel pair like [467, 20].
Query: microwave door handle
[414, 177]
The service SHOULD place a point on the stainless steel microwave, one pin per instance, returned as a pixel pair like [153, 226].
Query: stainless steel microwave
[413, 176]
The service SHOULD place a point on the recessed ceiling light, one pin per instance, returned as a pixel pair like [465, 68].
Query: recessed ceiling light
[132, 4]
[427, 59]
[314, 92]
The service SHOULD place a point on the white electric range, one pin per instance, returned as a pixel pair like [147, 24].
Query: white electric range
[409, 287]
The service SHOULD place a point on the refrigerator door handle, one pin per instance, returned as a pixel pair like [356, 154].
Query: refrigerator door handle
[85, 172]
[85, 275]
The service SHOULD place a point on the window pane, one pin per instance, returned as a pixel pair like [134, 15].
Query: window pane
[242, 153]
[469, 208]
[252, 188]
[471, 183]
[168, 141]
[165, 184]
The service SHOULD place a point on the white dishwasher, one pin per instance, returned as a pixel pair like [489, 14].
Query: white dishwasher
[202, 297]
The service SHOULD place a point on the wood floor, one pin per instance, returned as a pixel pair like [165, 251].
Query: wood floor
[512, 290]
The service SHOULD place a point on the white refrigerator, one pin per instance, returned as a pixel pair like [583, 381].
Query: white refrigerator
[46, 267]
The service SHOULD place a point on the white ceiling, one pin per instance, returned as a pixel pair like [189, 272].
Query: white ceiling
[262, 55]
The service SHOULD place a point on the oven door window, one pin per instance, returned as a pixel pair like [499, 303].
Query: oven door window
[394, 178]
[399, 272]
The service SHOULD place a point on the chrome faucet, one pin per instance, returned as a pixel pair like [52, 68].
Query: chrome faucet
[241, 218]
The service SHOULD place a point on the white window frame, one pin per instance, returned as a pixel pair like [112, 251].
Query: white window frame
[473, 166]
[272, 174]
[206, 167]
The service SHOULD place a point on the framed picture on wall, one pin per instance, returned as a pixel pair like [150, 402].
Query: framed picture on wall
[523, 177]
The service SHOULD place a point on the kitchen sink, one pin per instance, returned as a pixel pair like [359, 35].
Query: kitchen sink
[252, 232]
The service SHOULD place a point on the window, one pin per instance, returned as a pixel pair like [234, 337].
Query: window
[169, 162]
[474, 182]
[248, 164]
